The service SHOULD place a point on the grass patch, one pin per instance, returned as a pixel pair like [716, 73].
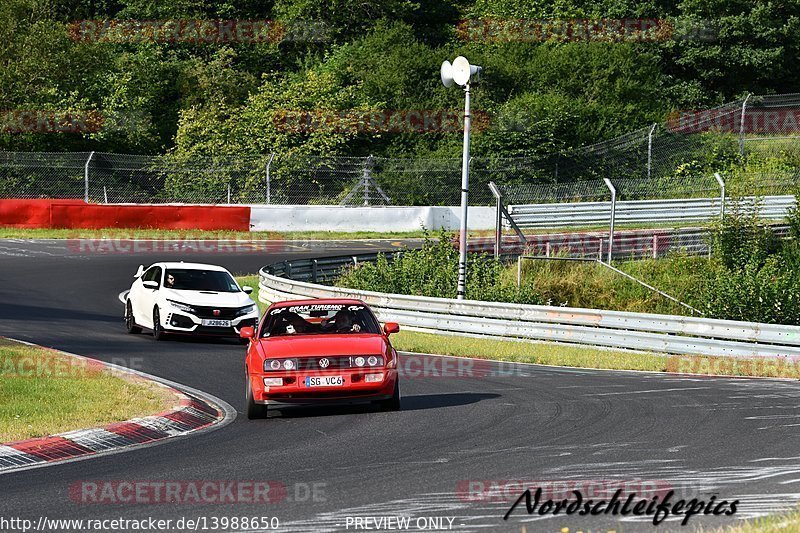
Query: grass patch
[526, 352]
[45, 392]
[141, 233]
[781, 523]
[590, 285]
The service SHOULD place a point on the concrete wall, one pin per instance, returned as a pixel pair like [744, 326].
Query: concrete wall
[335, 218]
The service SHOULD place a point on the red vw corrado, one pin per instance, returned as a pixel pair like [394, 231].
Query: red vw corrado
[320, 351]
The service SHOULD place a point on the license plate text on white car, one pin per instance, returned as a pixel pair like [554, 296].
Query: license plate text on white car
[213, 322]
[325, 381]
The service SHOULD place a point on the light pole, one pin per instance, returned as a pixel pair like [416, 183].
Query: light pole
[462, 73]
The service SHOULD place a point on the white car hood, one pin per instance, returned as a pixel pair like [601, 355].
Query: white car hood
[221, 299]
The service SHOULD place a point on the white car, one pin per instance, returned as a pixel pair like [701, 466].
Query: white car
[188, 298]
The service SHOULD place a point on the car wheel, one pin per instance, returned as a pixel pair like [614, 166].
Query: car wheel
[393, 403]
[158, 330]
[254, 410]
[130, 323]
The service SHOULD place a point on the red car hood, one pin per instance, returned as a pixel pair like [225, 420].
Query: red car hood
[316, 345]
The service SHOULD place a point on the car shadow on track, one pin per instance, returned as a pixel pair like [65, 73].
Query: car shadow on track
[410, 403]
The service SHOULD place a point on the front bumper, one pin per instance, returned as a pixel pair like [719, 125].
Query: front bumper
[354, 390]
[180, 322]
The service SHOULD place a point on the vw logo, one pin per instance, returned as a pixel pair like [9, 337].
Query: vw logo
[324, 362]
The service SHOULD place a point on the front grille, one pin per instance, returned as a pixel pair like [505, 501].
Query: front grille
[224, 312]
[334, 363]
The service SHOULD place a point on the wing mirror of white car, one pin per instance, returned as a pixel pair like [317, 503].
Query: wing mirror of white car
[247, 289]
[150, 284]
[139, 271]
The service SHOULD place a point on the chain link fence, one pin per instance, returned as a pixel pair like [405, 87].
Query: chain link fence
[672, 159]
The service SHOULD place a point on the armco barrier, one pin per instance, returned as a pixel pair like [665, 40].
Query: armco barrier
[610, 329]
[689, 210]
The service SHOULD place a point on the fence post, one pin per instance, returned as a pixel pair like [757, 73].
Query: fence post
[613, 215]
[86, 178]
[269, 195]
[229, 192]
[741, 125]
[498, 220]
[519, 271]
[367, 178]
[721, 195]
[650, 149]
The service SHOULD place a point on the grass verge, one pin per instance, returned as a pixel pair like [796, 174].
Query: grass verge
[782, 523]
[46, 392]
[141, 233]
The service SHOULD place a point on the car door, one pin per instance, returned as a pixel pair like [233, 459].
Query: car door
[144, 298]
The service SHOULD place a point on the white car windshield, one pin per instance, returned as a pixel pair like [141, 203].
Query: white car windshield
[199, 280]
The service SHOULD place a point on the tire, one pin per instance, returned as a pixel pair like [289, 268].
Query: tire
[393, 403]
[158, 330]
[255, 410]
[130, 322]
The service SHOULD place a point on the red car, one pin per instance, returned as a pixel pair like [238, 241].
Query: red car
[320, 351]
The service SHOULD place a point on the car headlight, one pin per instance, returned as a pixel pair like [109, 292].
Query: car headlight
[247, 310]
[186, 308]
[272, 365]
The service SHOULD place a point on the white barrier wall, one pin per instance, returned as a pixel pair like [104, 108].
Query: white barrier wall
[377, 218]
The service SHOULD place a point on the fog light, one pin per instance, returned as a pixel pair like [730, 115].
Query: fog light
[273, 382]
[373, 378]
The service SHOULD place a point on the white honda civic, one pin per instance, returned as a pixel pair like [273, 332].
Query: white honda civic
[188, 298]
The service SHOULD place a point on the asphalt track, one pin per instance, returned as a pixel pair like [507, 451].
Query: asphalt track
[732, 438]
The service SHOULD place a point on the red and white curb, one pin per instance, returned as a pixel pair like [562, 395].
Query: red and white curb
[195, 412]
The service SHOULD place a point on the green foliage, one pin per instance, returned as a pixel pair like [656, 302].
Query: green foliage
[759, 279]
[433, 271]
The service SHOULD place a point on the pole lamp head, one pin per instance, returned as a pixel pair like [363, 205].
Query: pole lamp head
[459, 72]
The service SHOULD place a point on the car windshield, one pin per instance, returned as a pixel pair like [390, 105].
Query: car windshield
[189, 279]
[317, 319]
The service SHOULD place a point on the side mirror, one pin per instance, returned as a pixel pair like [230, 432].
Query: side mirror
[247, 289]
[247, 332]
[139, 271]
[150, 284]
[391, 327]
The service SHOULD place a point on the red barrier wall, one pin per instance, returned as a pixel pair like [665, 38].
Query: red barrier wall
[29, 213]
[76, 214]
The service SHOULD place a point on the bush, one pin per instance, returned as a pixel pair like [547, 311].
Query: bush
[759, 278]
[433, 271]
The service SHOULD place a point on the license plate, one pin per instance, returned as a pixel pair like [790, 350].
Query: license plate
[218, 323]
[325, 381]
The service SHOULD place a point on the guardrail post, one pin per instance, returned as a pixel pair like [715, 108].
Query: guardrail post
[741, 125]
[86, 178]
[519, 271]
[314, 270]
[613, 214]
[498, 220]
[721, 195]
[502, 212]
[269, 192]
[289, 269]
[650, 149]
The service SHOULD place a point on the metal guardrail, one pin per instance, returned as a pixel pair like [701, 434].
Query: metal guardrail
[583, 214]
[609, 329]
